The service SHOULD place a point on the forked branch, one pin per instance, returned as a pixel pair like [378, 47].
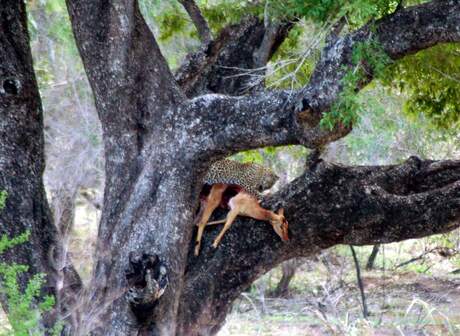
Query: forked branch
[292, 117]
[125, 68]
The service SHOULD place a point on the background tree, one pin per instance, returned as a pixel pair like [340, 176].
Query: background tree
[161, 132]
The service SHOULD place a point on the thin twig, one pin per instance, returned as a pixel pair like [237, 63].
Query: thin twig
[455, 79]
[416, 258]
[360, 282]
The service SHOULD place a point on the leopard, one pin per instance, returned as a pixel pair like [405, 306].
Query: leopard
[238, 187]
[251, 177]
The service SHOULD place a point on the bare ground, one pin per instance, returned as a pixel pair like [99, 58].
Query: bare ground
[400, 304]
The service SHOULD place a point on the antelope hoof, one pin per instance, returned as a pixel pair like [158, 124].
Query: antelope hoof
[197, 248]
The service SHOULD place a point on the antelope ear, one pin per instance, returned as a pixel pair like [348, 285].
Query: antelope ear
[281, 212]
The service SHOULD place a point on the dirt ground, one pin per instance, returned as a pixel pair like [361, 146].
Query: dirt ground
[399, 304]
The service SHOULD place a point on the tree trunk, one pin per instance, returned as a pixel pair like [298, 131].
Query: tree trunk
[159, 143]
[22, 163]
[372, 257]
[288, 269]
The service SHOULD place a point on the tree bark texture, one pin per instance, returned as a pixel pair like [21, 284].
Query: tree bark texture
[234, 63]
[22, 162]
[161, 132]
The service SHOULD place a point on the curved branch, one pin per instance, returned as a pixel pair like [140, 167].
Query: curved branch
[198, 20]
[326, 206]
[402, 33]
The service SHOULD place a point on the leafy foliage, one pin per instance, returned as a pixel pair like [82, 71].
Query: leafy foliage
[8, 243]
[172, 20]
[222, 13]
[357, 12]
[432, 79]
[24, 319]
[347, 107]
[24, 310]
[3, 196]
[385, 135]
[294, 61]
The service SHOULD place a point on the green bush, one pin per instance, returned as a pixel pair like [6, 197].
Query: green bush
[25, 306]
[347, 108]
[3, 195]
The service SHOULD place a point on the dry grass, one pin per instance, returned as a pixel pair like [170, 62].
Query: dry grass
[401, 303]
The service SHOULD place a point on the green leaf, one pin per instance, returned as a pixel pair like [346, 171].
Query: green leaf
[3, 197]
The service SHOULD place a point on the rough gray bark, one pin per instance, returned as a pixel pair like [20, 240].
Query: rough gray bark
[326, 206]
[158, 145]
[233, 63]
[137, 101]
[22, 160]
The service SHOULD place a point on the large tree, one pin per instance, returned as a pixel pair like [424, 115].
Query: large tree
[162, 131]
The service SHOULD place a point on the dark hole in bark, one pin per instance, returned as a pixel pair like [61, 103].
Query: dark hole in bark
[11, 86]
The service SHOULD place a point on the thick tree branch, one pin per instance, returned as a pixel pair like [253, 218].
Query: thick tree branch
[275, 34]
[217, 119]
[233, 63]
[327, 206]
[401, 33]
[231, 124]
[198, 20]
[131, 81]
[153, 181]
[22, 164]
